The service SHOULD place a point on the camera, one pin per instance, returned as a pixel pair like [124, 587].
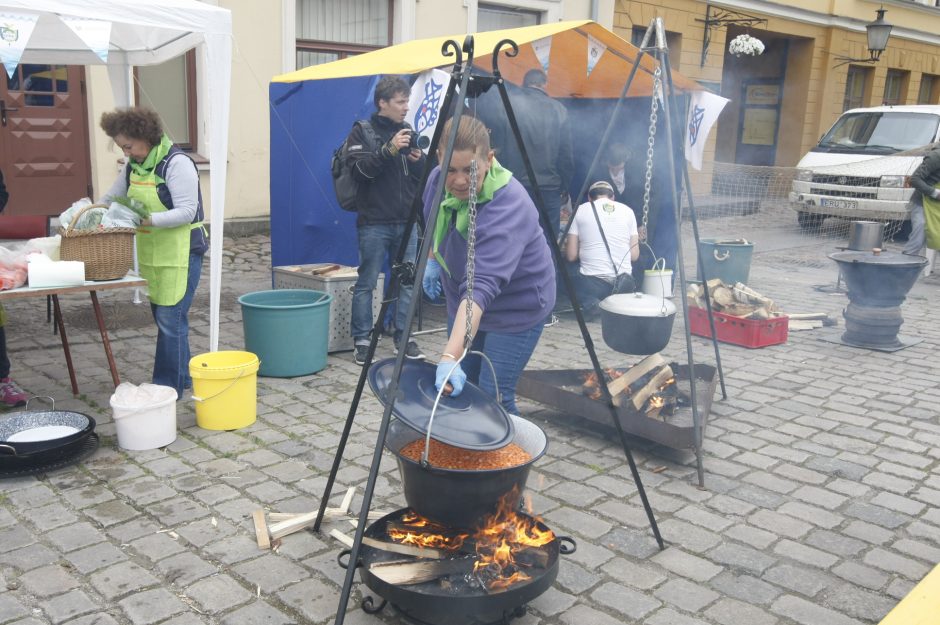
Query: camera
[418, 142]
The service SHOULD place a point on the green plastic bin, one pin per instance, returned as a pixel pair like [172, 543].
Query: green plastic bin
[728, 259]
[288, 329]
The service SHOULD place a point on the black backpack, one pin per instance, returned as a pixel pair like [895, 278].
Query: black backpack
[345, 184]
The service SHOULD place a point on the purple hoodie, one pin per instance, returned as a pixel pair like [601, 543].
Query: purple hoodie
[514, 274]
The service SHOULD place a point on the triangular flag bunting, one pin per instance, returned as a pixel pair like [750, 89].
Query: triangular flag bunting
[542, 48]
[96, 34]
[15, 30]
[595, 51]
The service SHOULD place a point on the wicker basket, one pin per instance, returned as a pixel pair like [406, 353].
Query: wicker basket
[108, 253]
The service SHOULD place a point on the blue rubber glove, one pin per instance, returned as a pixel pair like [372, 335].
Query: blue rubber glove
[432, 279]
[457, 377]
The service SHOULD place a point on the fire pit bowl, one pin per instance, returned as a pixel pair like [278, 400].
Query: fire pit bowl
[460, 498]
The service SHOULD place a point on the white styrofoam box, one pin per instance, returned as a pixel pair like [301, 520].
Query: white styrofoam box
[50, 273]
[340, 287]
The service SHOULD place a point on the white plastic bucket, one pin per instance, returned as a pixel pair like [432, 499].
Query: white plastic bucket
[148, 425]
[658, 280]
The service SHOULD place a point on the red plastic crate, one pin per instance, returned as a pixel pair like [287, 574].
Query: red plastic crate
[745, 332]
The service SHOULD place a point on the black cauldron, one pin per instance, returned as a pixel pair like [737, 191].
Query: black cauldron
[460, 498]
[637, 323]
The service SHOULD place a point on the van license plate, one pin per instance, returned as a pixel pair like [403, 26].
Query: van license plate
[841, 204]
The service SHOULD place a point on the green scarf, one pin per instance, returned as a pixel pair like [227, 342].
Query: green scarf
[156, 155]
[496, 178]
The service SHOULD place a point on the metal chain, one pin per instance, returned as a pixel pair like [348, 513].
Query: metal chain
[647, 182]
[471, 251]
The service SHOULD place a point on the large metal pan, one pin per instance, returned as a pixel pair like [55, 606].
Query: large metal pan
[43, 432]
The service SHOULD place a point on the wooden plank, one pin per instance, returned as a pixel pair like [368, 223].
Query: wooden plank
[410, 572]
[920, 606]
[347, 499]
[261, 529]
[405, 550]
[635, 372]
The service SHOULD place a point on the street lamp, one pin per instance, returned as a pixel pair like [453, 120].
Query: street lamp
[878, 33]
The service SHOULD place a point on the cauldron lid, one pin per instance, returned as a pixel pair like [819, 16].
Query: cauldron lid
[472, 420]
[882, 258]
[638, 305]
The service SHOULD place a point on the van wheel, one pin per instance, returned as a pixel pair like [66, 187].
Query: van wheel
[898, 230]
[809, 221]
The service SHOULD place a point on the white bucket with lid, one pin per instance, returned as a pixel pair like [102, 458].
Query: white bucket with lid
[144, 416]
[658, 280]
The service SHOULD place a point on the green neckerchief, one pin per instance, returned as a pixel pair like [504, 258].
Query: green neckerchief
[496, 178]
[156, 155]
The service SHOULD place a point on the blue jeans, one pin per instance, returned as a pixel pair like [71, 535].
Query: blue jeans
[376, 242]
[509, 354]
[171, 361]
[918, 237]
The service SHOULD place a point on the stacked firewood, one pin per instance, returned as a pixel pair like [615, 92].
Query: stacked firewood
[647, 387]
[738, 300]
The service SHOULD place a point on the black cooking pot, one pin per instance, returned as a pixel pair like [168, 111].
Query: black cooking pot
[34, 432]
[637, 323]
[460, 498]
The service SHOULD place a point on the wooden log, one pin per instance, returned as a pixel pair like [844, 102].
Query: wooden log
[405, 573]
[821, 316]
[525, 555]
[641, 395]
[635, 372]
[405, 550]
[261, 529]
[747, 295]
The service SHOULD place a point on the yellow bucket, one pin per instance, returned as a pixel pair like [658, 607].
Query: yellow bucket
[225, 389]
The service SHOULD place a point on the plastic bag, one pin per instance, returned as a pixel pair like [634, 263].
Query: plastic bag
[120, 216]
[14, 266]
[89, 220]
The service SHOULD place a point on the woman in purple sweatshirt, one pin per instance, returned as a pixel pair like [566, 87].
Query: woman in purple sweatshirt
[514, 277]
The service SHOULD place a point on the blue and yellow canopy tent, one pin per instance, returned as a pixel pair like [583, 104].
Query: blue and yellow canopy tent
[313, 109]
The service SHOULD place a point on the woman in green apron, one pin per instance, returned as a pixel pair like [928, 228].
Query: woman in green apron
[171, 242]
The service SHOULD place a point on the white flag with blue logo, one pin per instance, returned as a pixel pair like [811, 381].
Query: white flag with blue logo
[704, 108]
[427, 96]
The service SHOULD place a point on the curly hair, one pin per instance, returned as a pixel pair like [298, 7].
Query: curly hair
[388, 87]
[134, 123]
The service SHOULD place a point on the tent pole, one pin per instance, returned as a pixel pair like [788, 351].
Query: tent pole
[669, 105]
[566, 279]
[461, 73]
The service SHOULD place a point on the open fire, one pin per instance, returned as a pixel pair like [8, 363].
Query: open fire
[649, 386]
[501, 552]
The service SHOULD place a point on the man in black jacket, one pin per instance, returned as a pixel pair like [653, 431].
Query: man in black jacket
[543, 124]
[388, 172]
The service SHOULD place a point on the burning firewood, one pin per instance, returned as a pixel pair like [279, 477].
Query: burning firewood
[638, 399]
[622, 382]
[406, 573]
[405, 550]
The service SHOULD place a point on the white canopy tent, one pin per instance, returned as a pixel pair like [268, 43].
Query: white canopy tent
[147, 33]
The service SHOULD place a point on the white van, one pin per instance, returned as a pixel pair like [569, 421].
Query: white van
[861, 168]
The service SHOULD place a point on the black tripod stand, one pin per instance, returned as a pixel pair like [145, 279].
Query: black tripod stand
[465, 85]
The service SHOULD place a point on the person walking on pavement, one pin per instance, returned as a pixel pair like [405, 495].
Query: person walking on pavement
[925, 196]
[388, 172]
[172, 241]
[11, 395]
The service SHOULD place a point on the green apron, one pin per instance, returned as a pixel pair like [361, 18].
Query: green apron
[162, 253]
[932, 219]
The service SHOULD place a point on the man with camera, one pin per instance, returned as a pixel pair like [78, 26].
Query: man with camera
[387, 163]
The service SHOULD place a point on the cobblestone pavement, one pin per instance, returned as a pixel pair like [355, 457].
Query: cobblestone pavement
[821, 505]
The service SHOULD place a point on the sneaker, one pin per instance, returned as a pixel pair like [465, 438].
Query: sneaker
[362, 352]
[412, 351]
[11, 394]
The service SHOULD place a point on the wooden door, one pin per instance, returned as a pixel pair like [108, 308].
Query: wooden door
[44, 138]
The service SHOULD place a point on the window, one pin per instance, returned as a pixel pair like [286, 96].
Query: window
[329, 30]
[896, 87]
[496, 17]
[856, 86]
[170, 89]
[929, 91]
[38, 83]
